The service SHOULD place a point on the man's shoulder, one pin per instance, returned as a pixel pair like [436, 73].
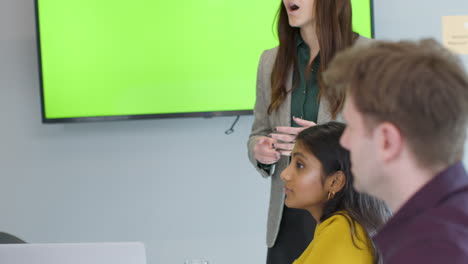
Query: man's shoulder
[428, 249]
[448, 214]
[433, 230]
[441, 220]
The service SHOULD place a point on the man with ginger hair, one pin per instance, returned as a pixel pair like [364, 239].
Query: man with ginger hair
[406, 110]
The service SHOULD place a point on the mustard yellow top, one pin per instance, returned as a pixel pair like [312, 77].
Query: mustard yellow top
[333, 244]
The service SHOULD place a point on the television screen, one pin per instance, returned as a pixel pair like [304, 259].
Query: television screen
[115, 59]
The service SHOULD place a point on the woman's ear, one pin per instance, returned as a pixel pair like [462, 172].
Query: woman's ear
[336, 182]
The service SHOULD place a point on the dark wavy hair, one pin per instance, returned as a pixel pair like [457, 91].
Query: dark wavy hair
[323, 141]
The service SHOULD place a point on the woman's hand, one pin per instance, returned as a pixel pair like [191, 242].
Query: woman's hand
[287, 136]
[265, 151]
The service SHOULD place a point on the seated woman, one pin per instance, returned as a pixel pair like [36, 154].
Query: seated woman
[319, 180]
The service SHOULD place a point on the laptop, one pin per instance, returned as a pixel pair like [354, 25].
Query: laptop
[80, 253]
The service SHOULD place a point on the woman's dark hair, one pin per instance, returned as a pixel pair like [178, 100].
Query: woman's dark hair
[334, 32]
[323, 141]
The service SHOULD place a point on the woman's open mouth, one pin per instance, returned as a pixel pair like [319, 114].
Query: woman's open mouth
[293, 7]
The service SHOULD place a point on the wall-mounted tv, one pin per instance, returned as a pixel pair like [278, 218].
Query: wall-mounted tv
[116, 59]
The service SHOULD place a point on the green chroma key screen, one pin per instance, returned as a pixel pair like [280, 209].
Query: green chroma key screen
[108, 58]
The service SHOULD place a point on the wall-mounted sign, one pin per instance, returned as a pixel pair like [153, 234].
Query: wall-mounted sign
[455, 33]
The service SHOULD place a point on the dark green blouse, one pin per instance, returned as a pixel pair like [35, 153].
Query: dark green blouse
[304, 98]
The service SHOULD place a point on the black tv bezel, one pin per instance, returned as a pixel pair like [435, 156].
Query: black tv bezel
[46, 120]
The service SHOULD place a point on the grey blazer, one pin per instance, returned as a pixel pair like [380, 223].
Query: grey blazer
[264, 125]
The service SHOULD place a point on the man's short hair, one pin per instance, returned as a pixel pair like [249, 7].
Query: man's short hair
[420, 87]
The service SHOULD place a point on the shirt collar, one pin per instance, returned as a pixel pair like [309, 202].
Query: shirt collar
[450, 180]
[299, 40]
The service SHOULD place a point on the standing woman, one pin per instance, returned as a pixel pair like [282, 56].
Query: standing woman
[290, 98]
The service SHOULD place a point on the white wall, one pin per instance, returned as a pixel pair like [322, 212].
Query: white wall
[179, 185]
[415, 19]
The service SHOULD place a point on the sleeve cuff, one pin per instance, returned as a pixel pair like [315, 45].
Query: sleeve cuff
[268, 168]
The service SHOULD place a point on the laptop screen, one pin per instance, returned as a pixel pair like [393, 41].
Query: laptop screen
[80, 253]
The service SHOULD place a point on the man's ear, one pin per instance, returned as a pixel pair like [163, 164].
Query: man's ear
[389, 141]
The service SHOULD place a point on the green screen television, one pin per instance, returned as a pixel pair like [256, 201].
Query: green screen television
[120, 59]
